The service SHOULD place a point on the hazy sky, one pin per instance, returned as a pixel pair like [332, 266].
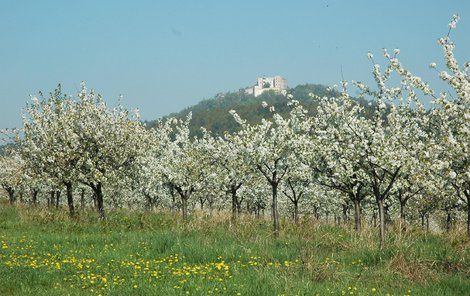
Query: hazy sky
[166, 55]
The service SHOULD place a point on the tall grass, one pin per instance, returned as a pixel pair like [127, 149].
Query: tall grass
[308, 259]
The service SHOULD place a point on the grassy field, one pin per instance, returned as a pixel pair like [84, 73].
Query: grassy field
[44, 253]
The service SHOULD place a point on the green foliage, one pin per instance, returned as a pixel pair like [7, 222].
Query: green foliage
[213, 114]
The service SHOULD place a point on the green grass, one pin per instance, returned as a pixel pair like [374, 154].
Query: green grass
[46, 253]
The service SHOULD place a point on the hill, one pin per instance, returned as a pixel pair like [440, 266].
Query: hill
[213, 114]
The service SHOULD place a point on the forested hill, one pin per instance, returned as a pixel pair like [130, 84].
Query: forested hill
[213, 114]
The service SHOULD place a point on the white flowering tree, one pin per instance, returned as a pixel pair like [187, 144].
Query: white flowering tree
[183, 163]
[389, 140]
[454, 119]
[111, 141]
[148, 179]
[11, 174]
[70, 140]
[334, 152]
[233, 171]
[269, 147]
[298, 184]
[50, 146]
[451, 118]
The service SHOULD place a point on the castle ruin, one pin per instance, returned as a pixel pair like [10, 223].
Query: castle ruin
[276, 83]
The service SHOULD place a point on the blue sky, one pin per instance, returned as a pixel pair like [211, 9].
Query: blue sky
[166, 55]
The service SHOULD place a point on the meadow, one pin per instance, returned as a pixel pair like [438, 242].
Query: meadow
[45, 252]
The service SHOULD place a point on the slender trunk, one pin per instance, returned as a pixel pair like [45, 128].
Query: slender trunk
[427, 222]
[149, 202]
[184, 206]
[239, 207]
[50, 200]
[448, 221]
[184, 194]
[296, 212]
[21, 197]
[345, 213]
[234, 206]
[201, 201]
[315, 213]
[69, 190]
[34, 197]
[357, 215]
[275, 212]
[422, 220]
[172, 189]
[402, 215]
[98, 190]
[82, 199]
[57, 199]
[11, 195]
[380, 204]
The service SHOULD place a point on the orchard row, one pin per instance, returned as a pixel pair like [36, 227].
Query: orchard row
[404, 160]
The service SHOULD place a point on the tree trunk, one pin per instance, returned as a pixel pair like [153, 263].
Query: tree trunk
[275, 212]
[427, 222]
[201, 202]
[234, 206]
[173, 203]
[296, 212]
[173, 200]
[316, 213]
[345, 213]
[357, 215]
[402, 215]
[98, 190]
[184, 206]
[57, 199]
[448, 221]
[50, 200]
[149, 202]
[11, 195]
[380, 205]
[211, 206]
[239, 206]
[69, 190]
[34, 197]
[82, 199]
